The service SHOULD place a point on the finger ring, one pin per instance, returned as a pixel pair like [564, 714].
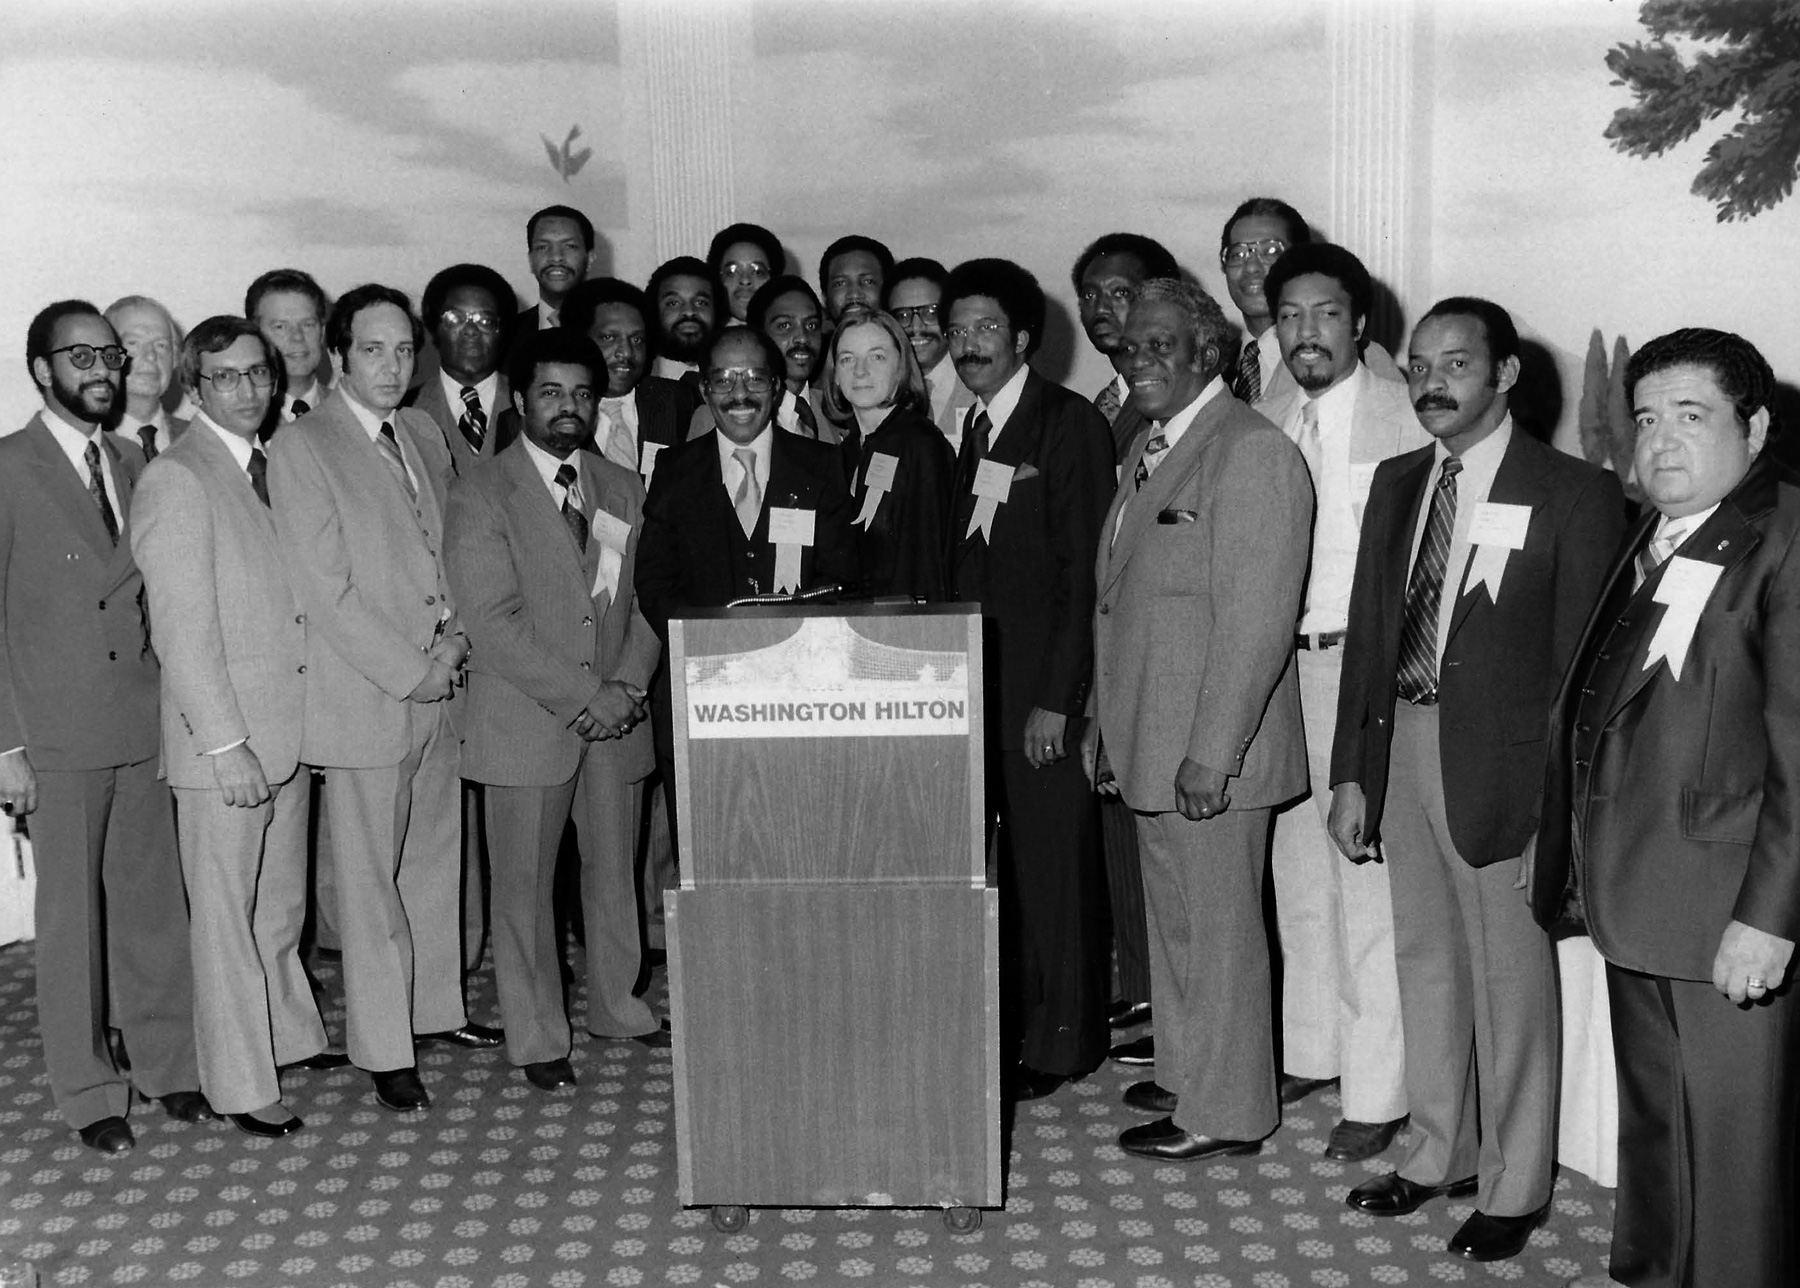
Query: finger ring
[1755, 981]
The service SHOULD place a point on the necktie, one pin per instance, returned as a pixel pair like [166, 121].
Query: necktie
[620, 447]
[301, 407]
[1309, 437]
[474, 420]
[390, 452]
[1418, 677]
[147, 436]
[573, 505]
[747, 500]
[1108, 402]
[1249, 371]
[1153, 451]
[1657, 553]
[809, 423]
[976, 427]
[259, 474]
[97, 489]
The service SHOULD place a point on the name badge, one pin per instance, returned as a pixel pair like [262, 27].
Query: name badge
[790, 527]
[993, 480]
[609, 530]
[1685, 587]
[647, 465]
[1495, 524]
[878, 481]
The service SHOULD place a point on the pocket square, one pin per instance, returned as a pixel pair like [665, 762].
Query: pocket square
[1023, 472]
[1177, 516]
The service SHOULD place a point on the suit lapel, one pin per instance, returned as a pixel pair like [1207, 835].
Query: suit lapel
[546, 531]
[213, 457]
[1518, 481]
[1012, 444]
[1143, 505]
[67, 489]
[1411, 493]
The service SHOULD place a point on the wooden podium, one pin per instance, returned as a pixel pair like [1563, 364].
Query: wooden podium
[834, 946]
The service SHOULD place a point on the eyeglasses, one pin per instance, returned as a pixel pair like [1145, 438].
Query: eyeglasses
[926, 313]
[985, 327]
[454, 318]
[225, 379]
[1268, 250]
[81, 356]
[754, 268]
[723, 382]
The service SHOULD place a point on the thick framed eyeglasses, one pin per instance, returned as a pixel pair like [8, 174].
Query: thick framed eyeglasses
[453, 318]
[225, 379]
[926, 313]
[81, 356]
[985, 327]
[1268, 250]
[723, 382]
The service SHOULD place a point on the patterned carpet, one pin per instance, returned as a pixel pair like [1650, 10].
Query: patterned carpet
[501, 1186]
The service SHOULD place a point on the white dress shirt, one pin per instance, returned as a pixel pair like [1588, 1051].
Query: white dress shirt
[762, 445]
[1336, 530]
[672, 368]
[129, 427]
[548, 465]
[1268, 355]
[1006, 400]
[74, 440]
[485, 393]
[372, 423]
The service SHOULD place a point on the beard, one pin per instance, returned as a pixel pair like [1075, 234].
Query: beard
[89, 398]
[681, 349]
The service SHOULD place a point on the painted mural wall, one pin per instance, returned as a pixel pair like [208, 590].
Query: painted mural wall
[179, 148]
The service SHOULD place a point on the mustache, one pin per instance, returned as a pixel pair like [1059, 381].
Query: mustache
[798, 351]
[741, 404]
[974, 360]
[1315, 349]
[1436, 402]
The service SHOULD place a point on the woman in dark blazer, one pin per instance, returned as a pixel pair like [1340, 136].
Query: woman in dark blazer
[901, 463]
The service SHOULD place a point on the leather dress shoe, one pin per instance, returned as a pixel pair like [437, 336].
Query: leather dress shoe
[471, 1037]
[1163, 1139]
[1495, 1238]
[1138, 1051]
[1126, 1015]
[400, 1090]
[1151, 1097]
[251, 1125]
[1294, 1088]
[1353, 1141]
[657, 1039]
[187, 1106]
[548, 1075]
[323, 1060]
[1034, 1084]
[108, 1135]
[1391, 1194]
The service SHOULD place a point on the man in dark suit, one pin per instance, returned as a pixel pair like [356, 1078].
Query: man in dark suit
[687, 311]
[853, 272]
[1033, 480]
[540, 547]
[1669, 825]
[79, 737]
[357, 488]
[1480, 558]
[1106, 277]
[914, 294]
[1197, 713]
[640, 414]
[468, 311]
[559, 243]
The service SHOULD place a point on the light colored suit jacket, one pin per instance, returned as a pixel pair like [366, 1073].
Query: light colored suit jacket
[370, 574]
[1383, 425]
[78, 680]
[542, 641]
[229, 627]
[1198, 595]
[429, 398]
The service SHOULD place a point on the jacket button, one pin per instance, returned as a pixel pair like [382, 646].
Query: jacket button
[103, 605]
[300, 618]
[1582, 728]
[1587, 693]
[1104, 608]
[1581, 764]
[1602, 656]
[431, 599]
[112, 657]
[302, 669]
[586, 667]
[587, 621]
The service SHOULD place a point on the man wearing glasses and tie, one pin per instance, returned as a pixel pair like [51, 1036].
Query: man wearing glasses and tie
[469, 309]
[79, 739]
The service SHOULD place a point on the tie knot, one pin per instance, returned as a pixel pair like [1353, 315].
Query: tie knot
[301, 407]
[746, 457]
[612, 406]
[565, 475]
[1309, 412]
[92, 454]
[471, 399]
[1451, 468]
[387, 432]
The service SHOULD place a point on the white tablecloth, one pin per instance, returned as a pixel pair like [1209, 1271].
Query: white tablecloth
[1588, 1134]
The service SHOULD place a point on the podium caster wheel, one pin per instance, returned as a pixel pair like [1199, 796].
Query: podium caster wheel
[962, 1220]
[729, 1218]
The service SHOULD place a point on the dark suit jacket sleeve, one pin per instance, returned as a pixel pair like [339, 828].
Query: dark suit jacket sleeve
[641, 650]
[1077, 464]
[479, 563]
[922, 486]
[834, 536]
[658, 579]
[1262, 520]
[12, 724]
[1358, 683]
[1584, 552]
[1769, 898]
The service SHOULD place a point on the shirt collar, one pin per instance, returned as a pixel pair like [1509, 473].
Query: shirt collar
[239, 447]
[1178, 424]
[547, 316]
[68, 432]
[547, 465]
[366, 416]
[1690, 523]
[314, 394]
[1005, 400]
[1338, 402]
[486, 390]
[1485, 455]
[763, 444]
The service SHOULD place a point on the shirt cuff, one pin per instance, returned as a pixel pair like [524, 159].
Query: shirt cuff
[220, 751]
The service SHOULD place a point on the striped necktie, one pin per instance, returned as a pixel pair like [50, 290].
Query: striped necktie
[573, 504]
[389, 446]
[97, 489]
[1107, 402]
[1249, 371]
[1417, 680]
[473, 424]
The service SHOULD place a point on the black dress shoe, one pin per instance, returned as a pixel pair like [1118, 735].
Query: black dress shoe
[187, 1106]
[1151, 1097]
[323, 1060]
[253, 1126]
[548, 1075]
[1138, 1051]
[1127, 1015]
[108, 1135]
[1351, 1141]
[657, 1039]
[1163, 1139]
[471, 1037]
[1495, 1238]
[1391, 1194]
[400, 1090]
[1034, 1084]
[1294, 1088]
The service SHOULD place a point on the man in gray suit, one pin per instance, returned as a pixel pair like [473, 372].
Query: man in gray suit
[358, 492]
[540, 547]
[231, 634]
[78, 743]
[1199, 573]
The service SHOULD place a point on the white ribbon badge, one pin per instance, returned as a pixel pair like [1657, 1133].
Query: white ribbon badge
[647, 466]
[993, 482]
[791, 531]
[1495, 531]
[878, 479]
[612, 533]
[1683, 591]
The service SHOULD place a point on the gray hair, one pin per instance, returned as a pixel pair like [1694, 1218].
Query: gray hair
[1205, 319]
